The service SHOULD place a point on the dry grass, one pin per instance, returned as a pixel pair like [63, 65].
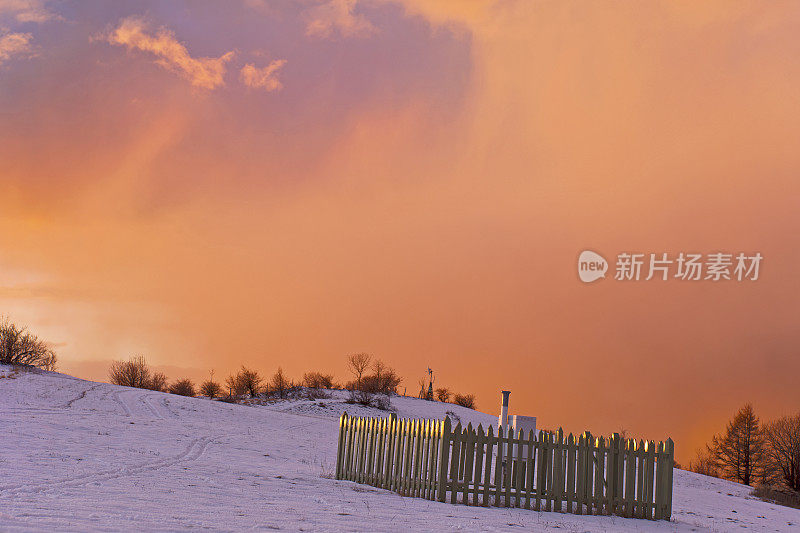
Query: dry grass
[778, 496]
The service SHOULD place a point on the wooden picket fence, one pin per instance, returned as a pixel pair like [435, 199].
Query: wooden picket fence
[583, 475]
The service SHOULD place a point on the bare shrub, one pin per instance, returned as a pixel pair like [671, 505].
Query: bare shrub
[318, 380]
[315, 394]
[279, 384]
[361, 397]
[465, 400]
[131, 373]
[382, 402]
[158, 382]
[384, 379]
[245, 381]
[18, 347]
[442, 394]
[182, 387]
[704, 463]
[212, 389]
[453, 416]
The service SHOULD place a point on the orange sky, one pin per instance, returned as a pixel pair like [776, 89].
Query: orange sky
[278, 183]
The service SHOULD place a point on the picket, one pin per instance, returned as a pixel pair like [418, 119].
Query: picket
[630, 476]
[540, 472]
[480, 442]
[520, 473]
[498, 467]
[668, 479]
[558, 474]
[455, 462]
[570, 488]
[487, 472]
[443, 455]
[428, 459]
[648, 487]
[509, 446]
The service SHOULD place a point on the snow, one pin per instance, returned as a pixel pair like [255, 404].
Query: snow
[79, 455]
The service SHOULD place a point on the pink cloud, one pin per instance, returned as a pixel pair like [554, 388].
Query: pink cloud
[337, 17]
[13, 44]
[263, 78]
[27, 10]
[205, 72]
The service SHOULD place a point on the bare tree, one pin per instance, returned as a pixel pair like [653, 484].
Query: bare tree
[131, 373]
[182, 387]
[18, 347]
[378, 371]
[358, 363]
[279, 383]
[423, 388]
[442, 394]
[246, 381]
[738, 453]
[783, 450]
[212, 389]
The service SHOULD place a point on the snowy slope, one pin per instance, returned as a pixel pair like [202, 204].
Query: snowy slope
[77, 455]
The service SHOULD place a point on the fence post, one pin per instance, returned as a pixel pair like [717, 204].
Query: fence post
[570, 496]
[659, 475]
[432, 465]
[487, 472]
[340, 449]
[668, 481]
[558, 464]
[540, 470]
[443, 456]
[469, 458]
[611, 479]
[519, 480]
[498, 467]
[649, 475]
[630, 476]
[455, 462]
[480, 440]
[580, 475]
[530, 464]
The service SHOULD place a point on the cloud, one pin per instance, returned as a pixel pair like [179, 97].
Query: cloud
[27, 10]
[336, 16]
[206, 72]
[263, 78]
[12, 44]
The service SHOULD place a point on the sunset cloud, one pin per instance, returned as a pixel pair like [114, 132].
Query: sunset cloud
[26, 10]
[337, 17]
[263, 78]
[205, 72]
[14, 44]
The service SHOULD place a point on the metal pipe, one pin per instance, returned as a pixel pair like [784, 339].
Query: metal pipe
[503, 419]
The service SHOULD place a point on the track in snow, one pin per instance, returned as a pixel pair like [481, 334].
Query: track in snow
[191, 453]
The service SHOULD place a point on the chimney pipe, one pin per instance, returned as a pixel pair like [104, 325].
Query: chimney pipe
[503, 420]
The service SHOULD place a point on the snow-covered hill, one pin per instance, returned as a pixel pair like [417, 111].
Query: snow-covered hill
[78, 455]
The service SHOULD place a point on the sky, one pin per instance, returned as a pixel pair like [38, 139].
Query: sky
[217, 184]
